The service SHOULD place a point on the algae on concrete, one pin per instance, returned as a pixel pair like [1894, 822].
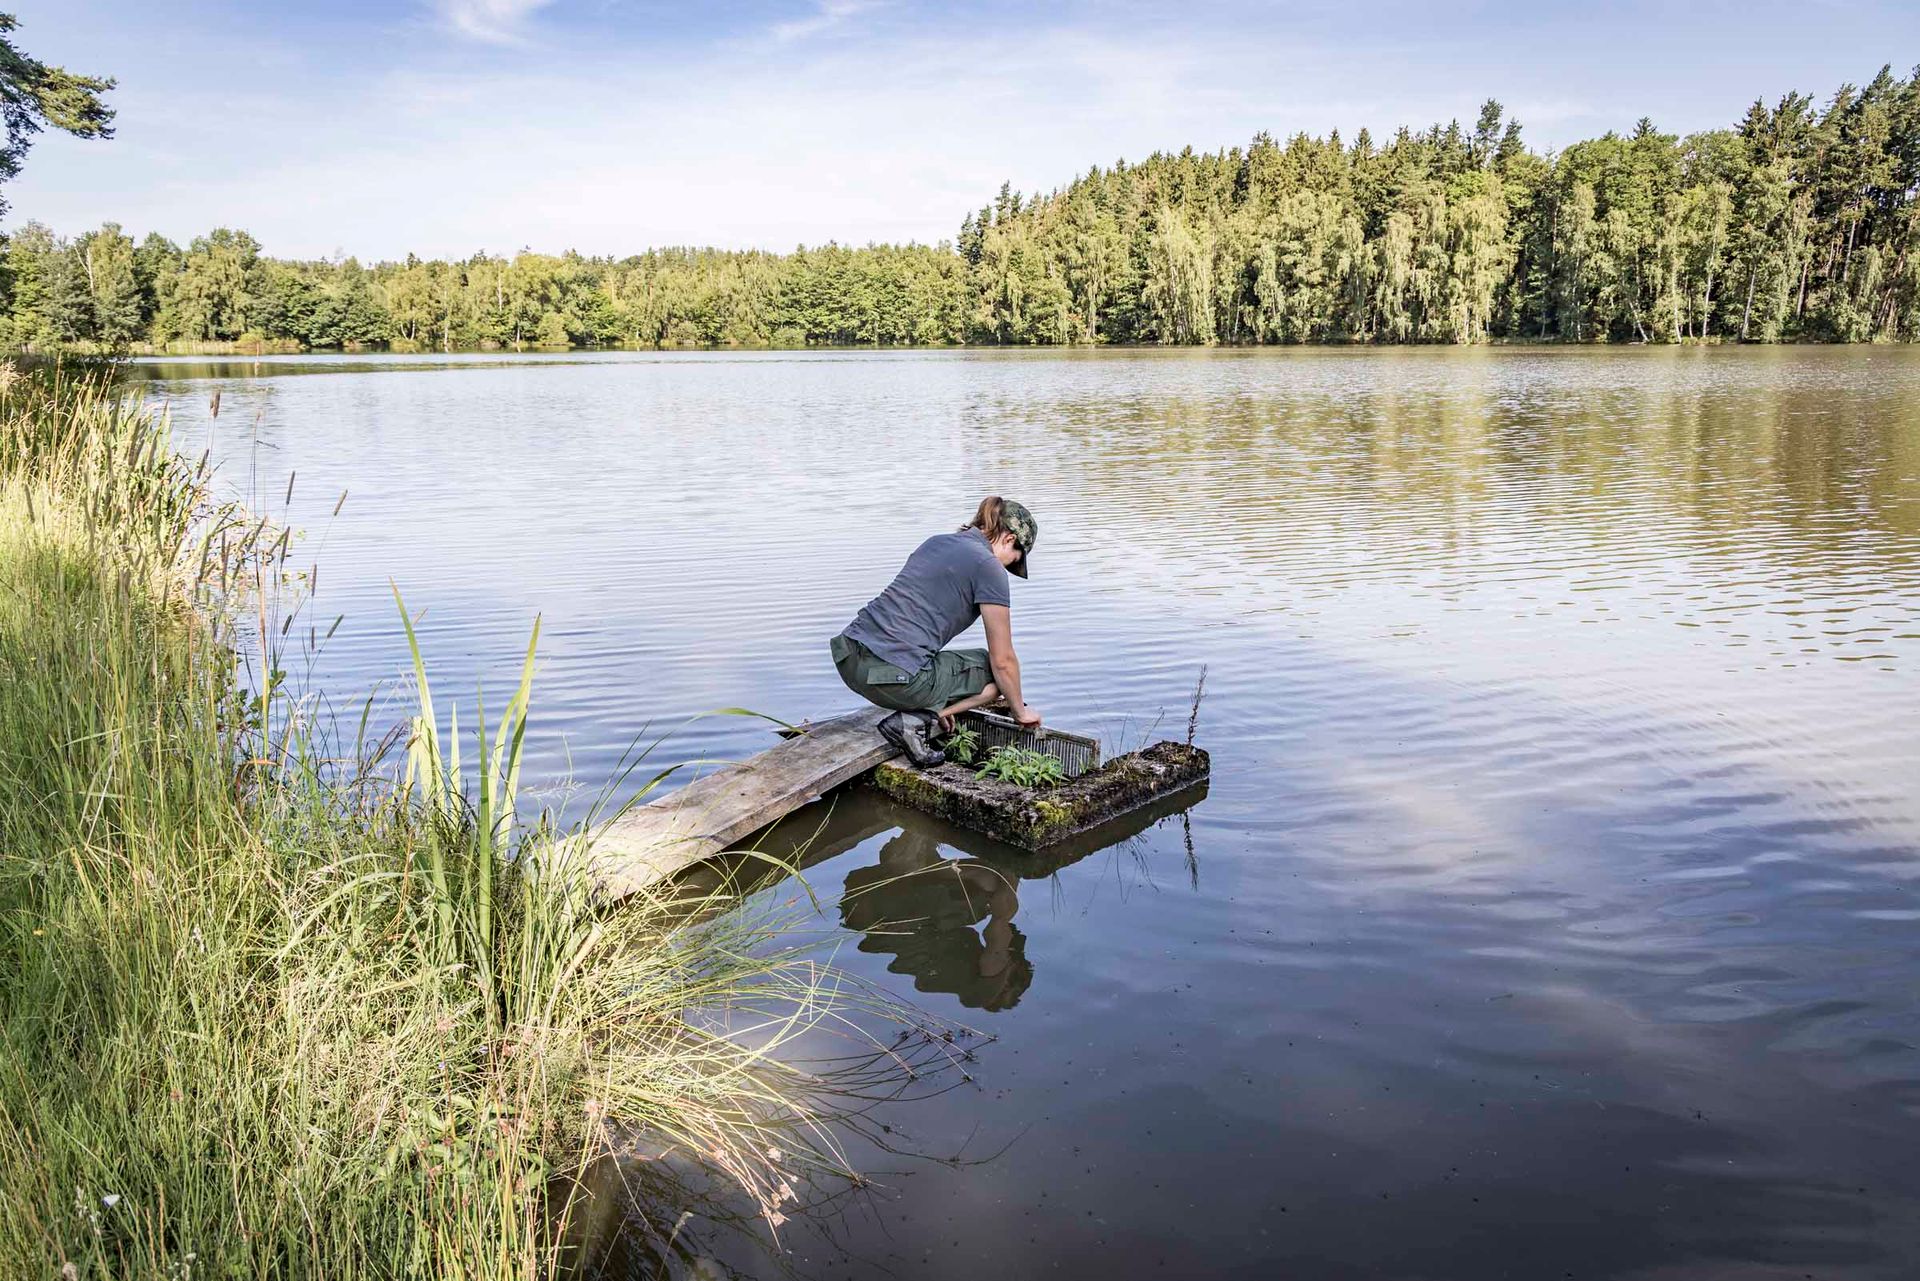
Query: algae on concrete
[1035, 819]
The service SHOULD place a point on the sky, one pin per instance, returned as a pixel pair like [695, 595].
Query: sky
[376, 128]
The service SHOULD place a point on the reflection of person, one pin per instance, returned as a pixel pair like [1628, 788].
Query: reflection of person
[890, 653]
[922, 908]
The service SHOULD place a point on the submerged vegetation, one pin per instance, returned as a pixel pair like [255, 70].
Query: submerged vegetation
[1800, 222]
[275, 1007]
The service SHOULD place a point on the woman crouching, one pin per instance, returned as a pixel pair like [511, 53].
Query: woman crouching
[891, 655]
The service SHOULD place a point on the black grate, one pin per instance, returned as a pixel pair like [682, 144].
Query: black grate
[1076, 753]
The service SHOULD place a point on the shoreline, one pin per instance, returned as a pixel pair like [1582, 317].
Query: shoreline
[231, 945]
[240, 350]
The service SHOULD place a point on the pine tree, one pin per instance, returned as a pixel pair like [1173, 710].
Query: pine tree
[34, 95]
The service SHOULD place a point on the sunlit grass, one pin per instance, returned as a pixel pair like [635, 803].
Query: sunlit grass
[270, 1012]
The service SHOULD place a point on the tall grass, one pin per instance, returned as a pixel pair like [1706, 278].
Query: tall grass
[264, 1013]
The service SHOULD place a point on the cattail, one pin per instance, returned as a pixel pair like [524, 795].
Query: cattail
[1199, 692]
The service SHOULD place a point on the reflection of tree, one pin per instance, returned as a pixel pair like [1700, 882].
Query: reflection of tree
[922, 909]
[1447, 473]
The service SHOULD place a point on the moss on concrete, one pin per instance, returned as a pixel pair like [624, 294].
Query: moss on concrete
[1037, 818]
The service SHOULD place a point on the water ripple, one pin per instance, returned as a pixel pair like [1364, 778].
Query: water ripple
[1553, 905]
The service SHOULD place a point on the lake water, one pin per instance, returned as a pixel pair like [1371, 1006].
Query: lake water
[1555, 906]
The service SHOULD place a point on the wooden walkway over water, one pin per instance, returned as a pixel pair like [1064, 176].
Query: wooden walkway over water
[651, 843]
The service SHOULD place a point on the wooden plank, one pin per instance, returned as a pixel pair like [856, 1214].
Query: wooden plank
[647, 845]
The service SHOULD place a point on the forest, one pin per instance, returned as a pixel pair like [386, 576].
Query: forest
[1799, 223]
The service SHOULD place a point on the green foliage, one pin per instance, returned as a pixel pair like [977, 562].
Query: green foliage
[227, 949]
[113, 287]
[215, 290]
[34, 95]
[1023, 768]
[963, 745]
[1796, 224]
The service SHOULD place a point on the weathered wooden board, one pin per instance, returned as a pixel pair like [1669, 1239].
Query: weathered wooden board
[649, 844]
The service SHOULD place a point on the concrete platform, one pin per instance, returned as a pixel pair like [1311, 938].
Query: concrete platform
[1036, 818]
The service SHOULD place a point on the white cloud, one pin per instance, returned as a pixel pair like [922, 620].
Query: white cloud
[494, 21]
[826, 14]
[847, 122]
[746, 144]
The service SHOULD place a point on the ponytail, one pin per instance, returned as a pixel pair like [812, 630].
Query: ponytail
[987, 519]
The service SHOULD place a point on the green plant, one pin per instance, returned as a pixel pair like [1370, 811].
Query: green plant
[229, 945]
[963, 745]
[1022, 767]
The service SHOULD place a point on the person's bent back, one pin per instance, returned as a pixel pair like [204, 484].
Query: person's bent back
[891, 655]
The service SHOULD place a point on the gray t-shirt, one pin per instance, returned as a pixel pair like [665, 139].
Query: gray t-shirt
[936, 595]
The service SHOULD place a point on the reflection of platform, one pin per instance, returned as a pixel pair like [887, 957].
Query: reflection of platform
[1037, 818]
[829, 828]
[945, 921]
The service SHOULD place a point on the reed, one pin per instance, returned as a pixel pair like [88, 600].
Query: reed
[269, 1009]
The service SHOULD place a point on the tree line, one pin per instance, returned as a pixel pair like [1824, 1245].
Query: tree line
[1800, 223]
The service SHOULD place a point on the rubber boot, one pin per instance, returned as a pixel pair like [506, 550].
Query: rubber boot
[911, 732]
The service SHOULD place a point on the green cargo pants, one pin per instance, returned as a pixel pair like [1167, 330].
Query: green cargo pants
[949, 676]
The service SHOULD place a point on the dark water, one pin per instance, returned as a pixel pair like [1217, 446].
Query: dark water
[1555, 906]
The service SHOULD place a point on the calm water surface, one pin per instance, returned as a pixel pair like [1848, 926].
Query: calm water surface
[1554, 909]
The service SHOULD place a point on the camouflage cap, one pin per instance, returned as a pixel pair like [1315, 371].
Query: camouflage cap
[1019, 522]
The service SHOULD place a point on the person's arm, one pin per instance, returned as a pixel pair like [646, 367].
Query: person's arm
[1005, 663]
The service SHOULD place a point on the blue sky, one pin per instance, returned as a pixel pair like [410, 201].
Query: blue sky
[442, 127]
